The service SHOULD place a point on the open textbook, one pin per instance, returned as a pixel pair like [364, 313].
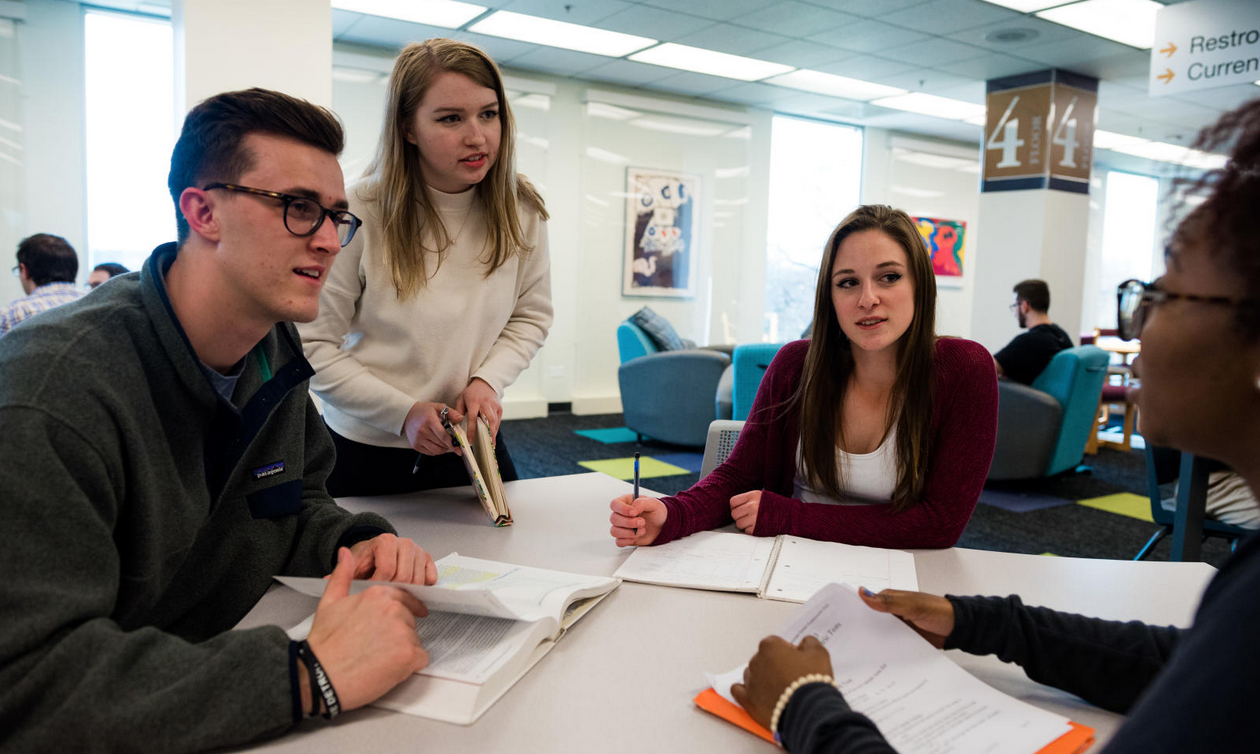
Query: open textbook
[922, 702]
[784, 568]
[488, 624]
[483, 468]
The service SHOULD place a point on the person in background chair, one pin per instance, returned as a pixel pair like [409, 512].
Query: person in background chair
[1024, 358]
[105, 271]
[1183, 689]
[46, 266]
[161, 461]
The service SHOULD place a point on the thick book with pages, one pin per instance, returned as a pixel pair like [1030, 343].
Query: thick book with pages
[488, 624]
[483, 468]
[786, 568]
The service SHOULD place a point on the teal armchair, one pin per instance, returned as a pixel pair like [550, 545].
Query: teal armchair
[1042, 429]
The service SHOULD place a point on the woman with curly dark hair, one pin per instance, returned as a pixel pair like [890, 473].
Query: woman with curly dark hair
[1183, 689]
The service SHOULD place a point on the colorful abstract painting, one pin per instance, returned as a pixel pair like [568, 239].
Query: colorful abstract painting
[946, 241]
[661, 233]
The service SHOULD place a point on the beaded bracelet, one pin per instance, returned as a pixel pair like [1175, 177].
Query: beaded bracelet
[787, 696]
[321, 686]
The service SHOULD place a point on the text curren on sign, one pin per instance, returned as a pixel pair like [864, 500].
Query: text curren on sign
[1205, 44]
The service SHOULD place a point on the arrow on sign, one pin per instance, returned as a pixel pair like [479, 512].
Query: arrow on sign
[1169, 50]
[1167, 75]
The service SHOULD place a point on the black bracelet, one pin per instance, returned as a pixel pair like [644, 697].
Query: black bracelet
[321, 686]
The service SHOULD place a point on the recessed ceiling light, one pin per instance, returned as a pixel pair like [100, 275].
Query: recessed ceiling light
[1011, 36]
[445, 13]
[836, 86]
[930, 104]
[698, 60]
[1130, 22]
[544, 31]
[1026, 6]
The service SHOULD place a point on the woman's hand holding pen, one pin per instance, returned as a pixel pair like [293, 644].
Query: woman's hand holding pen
[636, 521]
[424, 429]
[480, 398]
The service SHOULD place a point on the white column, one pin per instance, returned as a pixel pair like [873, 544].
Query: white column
[226, 45]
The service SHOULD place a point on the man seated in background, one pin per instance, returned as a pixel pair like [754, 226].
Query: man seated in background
[1024, 358]
[105, 271]
[46, 266]
[161, 461]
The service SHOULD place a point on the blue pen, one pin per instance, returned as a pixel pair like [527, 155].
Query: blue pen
[636, 485]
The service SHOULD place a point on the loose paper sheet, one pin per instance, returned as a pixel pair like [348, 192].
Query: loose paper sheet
[921, 701]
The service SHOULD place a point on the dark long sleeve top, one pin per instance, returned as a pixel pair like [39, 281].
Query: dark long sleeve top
[963, 430]
[1183, 689]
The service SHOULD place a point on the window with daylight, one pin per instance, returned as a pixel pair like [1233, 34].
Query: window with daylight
[130, 134]
[815, 180]
[1130, 212]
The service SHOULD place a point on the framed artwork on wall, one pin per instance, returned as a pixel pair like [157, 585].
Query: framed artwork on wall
[661, 236]
[946, 242]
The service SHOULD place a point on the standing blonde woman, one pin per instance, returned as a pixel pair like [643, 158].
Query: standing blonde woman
[444, 296]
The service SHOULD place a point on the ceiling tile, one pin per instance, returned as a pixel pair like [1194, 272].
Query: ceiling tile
[948, 16]
[934, 52]
[693, 83]
[802, 54]
[500, 49]
[866, 67]
[390, 32]
[817, 105]
[869, 36]
[972, 91]
[867, 8]
[628, 72]
[1071, 52]
[991, 66]
[654, 23]
[1223, 97]
[717, 10]
[926, 80]
[559, 62]
[757, 94]
[573, 11]
[342, 20]
[732, 39]
[794, 19]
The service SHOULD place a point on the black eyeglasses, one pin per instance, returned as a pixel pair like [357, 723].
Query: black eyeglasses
[302, 216]
[1135, 298]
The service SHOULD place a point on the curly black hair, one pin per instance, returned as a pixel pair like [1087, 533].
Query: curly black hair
[1225, 223]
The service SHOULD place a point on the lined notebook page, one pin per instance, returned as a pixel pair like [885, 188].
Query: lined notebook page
[805, 566]
[706, 560]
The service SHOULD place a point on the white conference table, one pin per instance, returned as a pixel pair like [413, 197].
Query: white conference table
[622, 679]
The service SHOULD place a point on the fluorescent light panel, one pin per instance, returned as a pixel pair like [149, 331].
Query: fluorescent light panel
[833, 85]
[930, 104]
[697, 60]
[545, 31]
[1130, 22]
[445, 13]
[1027, 6]
[1158, 150]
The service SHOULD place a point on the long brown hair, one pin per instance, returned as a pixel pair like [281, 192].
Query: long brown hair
[829, 365]
[396, 181]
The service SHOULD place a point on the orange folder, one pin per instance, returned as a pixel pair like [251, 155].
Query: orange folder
[1074, 741]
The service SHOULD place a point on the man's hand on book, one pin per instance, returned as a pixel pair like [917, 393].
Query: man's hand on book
[367, 642]
[744, 509]
[480, 398]
[776, 666]
[636, 522]
[389, 558]
[929, 615]
[424, 429]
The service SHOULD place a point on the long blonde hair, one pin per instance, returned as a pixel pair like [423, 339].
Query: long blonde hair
[829, 364]
[396, 181]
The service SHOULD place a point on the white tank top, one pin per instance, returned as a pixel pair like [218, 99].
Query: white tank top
[868, 477]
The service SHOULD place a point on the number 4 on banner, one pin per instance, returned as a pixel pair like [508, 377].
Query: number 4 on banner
[1010, 142]
[1067, 124]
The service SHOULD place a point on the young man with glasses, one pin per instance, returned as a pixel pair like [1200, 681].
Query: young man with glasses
[46, 267]
[161, 460]
[1024, 358]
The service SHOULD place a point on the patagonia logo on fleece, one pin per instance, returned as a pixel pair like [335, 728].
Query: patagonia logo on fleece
[270, 469]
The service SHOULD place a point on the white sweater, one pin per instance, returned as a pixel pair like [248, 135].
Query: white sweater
[375, 356]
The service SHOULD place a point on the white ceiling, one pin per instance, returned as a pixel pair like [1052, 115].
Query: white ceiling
[942, 47]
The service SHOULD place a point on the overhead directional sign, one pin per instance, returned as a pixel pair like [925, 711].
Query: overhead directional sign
[1205, 44]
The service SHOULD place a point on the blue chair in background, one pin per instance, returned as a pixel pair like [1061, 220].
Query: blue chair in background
[1042, 429]
[1187, 524]
[671, 396]
[748, 365]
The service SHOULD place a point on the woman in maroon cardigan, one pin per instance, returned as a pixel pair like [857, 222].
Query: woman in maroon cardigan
[872, 432]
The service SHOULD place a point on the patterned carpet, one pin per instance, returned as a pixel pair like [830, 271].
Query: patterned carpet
[1100, 513]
